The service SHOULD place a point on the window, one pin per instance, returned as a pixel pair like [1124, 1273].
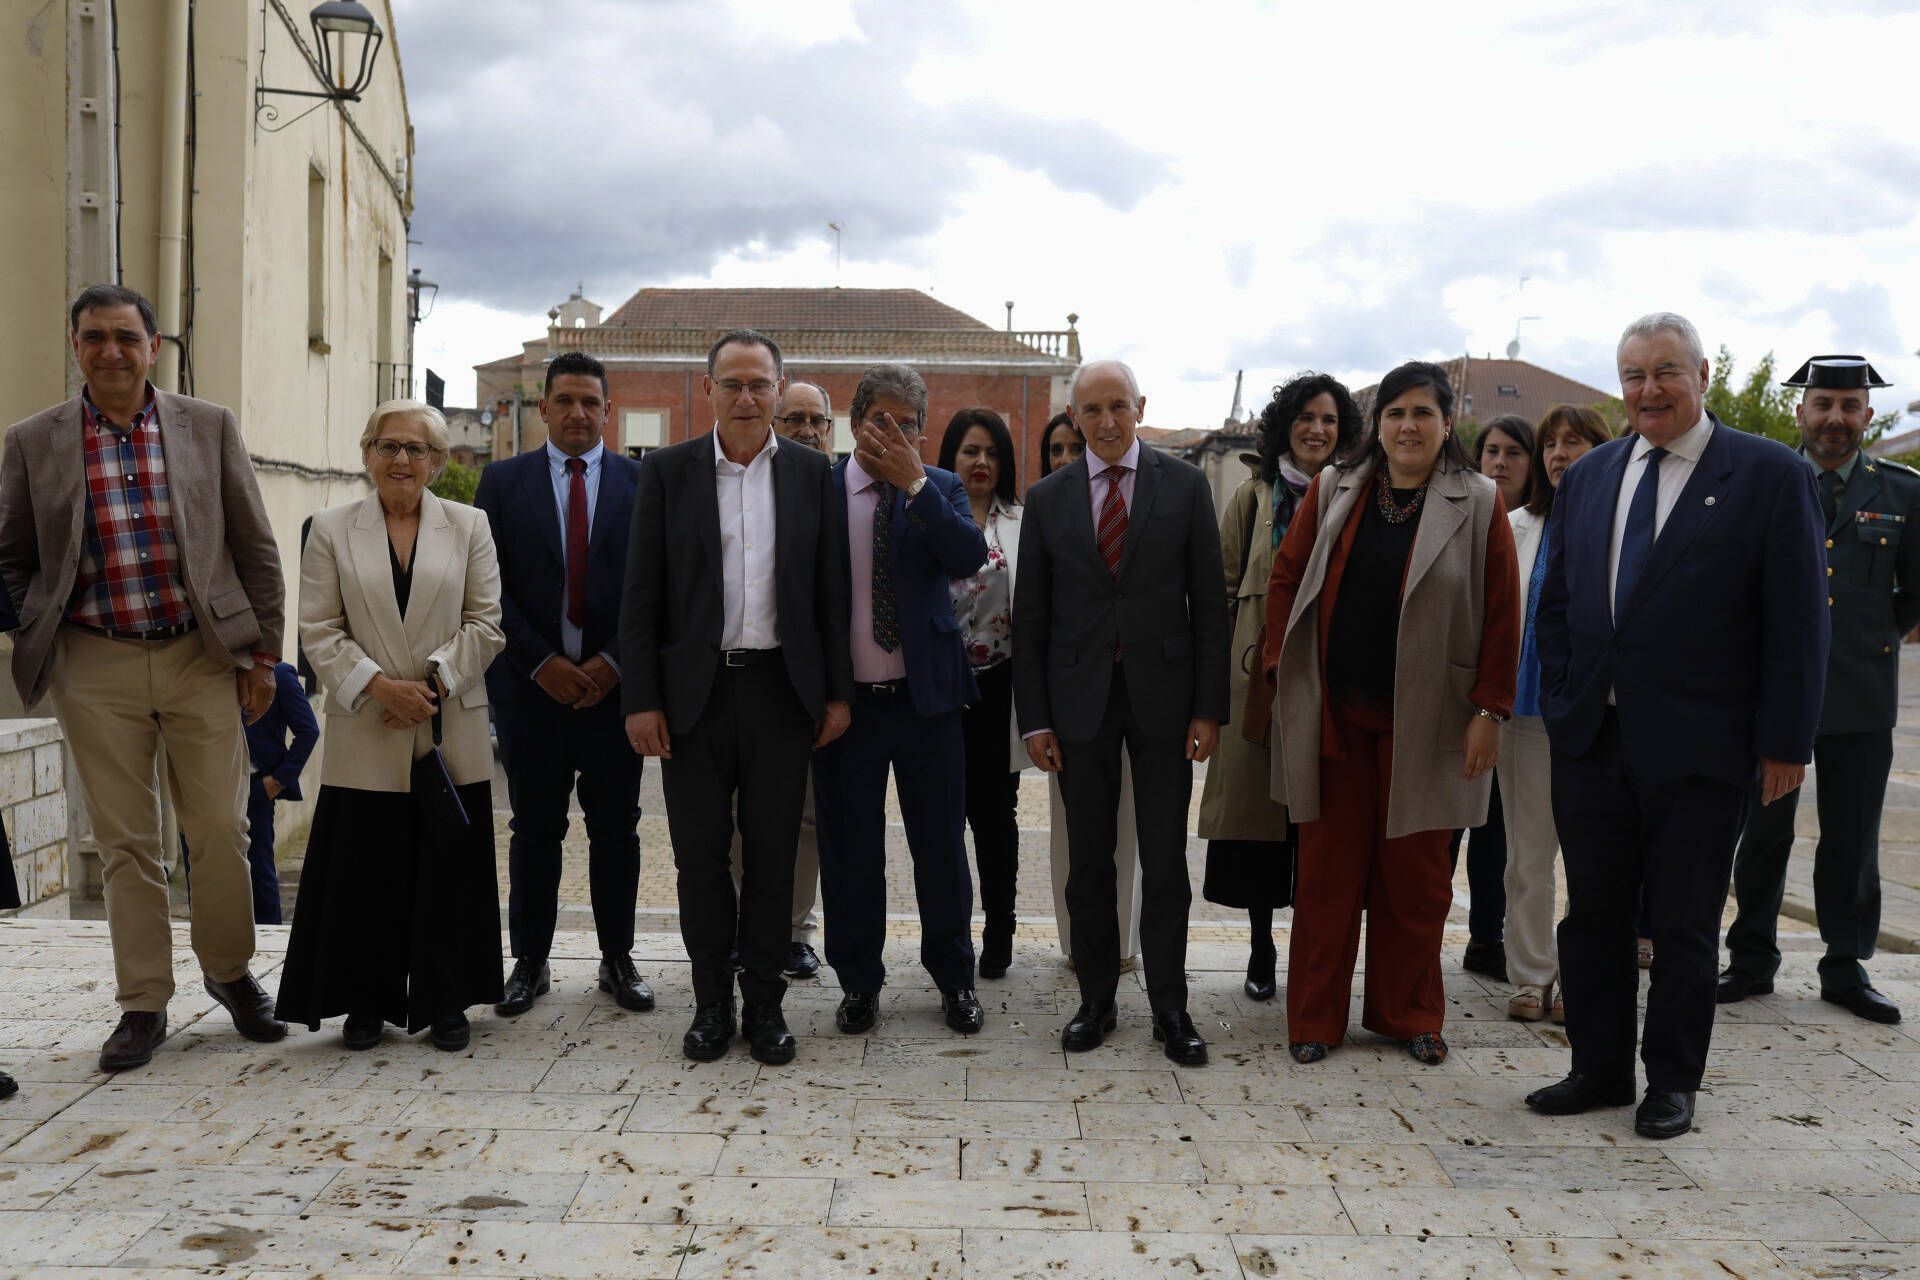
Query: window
[641, 430]
[1510, 392]
[317, 260]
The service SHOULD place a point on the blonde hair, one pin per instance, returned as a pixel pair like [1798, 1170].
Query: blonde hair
[431, 418]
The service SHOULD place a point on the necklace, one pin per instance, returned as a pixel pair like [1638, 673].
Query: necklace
[1390, 510]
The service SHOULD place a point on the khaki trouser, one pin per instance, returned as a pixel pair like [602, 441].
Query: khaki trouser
[806, 871]
[1526, 794]
[118, 701]
[1126, 858]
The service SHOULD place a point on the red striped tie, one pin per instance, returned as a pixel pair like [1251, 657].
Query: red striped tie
[1112, 534]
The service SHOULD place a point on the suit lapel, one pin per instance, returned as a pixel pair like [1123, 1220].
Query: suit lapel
[616, 492]
[1078, 497]
[433, 549]
[1438, 523]
[1146, 487]
[367, 545]
[1860, 489]
[842, 539]
[703, 504]
[68, 454]
[536, 498]
[176, 447]
[1702, 498]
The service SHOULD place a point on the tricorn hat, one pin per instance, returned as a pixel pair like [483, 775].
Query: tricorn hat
[1837, 373]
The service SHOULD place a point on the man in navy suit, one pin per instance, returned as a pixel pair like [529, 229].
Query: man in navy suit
[1683, 633]
[905, 530]
[560, 516]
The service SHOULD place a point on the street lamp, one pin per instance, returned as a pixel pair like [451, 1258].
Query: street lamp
[346, 40]
[420, 289]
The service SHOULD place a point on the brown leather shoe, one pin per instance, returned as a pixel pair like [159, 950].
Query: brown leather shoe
[251, 1007]
[133, 1041]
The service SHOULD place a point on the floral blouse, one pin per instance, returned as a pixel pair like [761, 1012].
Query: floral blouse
[983, 603]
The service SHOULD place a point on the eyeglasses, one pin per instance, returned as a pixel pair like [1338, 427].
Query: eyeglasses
[795, 421]
[759, 388]
[391, 448]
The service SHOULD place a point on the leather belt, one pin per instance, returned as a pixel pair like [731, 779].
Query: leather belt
[747, 657]
[151, 636]
[885, 688]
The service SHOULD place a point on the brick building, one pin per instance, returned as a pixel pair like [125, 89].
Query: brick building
[655, 349]
[1484, 389]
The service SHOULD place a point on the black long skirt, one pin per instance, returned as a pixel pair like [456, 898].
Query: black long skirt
[1250, 873]
[9, 890]
[392, 917]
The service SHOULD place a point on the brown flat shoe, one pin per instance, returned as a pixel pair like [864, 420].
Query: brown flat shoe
[133, 1041]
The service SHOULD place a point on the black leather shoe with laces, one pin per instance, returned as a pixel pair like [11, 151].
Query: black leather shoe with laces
[857, 1013]
[1088, 1028]
[802, 962]
[529, 981]
[711, 1032]
[963, 1011]
[1579, 1093]
[619, 978]
[1183, 1044]
[768, 1039]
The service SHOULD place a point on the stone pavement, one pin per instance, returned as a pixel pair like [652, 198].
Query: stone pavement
[576, 1141]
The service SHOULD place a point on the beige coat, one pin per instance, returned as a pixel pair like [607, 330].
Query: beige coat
[1235, 804]
[351, 627]
[1456, 619]
[230, 564]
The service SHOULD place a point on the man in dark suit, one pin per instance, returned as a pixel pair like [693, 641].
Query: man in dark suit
[560, 516]
[733, 640]
[904, 531]
[1682, 631]
[1871, 508]
[1120, 626]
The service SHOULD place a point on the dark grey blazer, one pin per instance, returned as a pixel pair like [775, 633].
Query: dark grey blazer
[671, 611]
[1167, 607]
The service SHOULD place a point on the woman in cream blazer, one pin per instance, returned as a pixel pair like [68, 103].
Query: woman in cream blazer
[398, 915]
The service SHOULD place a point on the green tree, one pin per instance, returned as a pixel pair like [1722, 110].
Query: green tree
[457, 483]
[1763, 408]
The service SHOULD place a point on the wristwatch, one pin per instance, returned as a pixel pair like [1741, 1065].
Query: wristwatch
[913, 490]
[1494, 716]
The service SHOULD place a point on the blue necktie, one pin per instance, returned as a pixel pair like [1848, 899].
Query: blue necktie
[1638, 541]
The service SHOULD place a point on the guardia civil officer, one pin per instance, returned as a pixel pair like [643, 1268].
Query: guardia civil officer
[1871, 507]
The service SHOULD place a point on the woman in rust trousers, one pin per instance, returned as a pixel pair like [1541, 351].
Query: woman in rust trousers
[1392, 622]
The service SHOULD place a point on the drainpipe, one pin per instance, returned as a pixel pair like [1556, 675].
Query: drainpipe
[173, 181]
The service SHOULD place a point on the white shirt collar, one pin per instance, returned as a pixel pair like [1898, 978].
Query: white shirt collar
[767, 450]
[1689, 444]
[558, 457]
[1130, 459]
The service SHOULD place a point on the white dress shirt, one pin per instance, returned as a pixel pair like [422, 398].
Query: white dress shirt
[1675, 471]
[746, 547]
[571, 638]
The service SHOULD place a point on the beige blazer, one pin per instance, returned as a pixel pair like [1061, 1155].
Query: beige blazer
[230, 563]
[1443, 610]
[351, 627]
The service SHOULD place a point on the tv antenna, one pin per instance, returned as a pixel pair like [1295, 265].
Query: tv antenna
[835, 228]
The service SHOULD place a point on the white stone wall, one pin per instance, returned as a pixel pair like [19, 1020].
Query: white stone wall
[33, 803]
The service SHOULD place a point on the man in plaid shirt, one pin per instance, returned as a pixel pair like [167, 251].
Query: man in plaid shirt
[137, 552]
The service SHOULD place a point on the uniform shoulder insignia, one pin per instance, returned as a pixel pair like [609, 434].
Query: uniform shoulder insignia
[1901, 467]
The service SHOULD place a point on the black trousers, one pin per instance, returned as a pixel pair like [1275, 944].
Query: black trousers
[928, 764]
[1486, 872]
[749, 748]
[544, 748]
[1852, 770]
[993, 793]
[1617, 830]
[1090, 790]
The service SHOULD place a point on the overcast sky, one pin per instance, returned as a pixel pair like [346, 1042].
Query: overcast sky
[1210, 186]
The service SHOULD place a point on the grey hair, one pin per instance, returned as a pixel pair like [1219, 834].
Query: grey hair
[1126, 371]
[429, 417]
[893, 380]
[1663, 322]
[825, 399]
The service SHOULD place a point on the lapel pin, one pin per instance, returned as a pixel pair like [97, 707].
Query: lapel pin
[1709, 501]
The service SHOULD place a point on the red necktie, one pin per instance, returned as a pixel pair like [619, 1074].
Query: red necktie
[1112, 534]
[577, 542]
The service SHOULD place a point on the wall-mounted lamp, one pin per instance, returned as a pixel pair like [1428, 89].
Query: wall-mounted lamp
[346, 40]
[420, 291]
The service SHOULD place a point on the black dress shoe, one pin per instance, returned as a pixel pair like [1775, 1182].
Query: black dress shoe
[1735, 986]
[711, 1032]
[963, 1011]
[1664, 1113]
[768, 1039]
[1864, 1002]
[623, 981]
[451, 1033]
[1088, 1028]
[1579, 1092]
[133, 1041]
[7, 1087]
[1183, 1043]
[1486, 957]
[1260, 983]
[251, 1007]
[802, 962]
[529, 980]
[857, 1013]
[361, 1030]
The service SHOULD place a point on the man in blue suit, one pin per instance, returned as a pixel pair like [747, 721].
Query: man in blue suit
[1683, 632]
[560, 516]
[906, 530]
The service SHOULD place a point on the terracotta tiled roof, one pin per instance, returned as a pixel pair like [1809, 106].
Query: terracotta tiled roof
[1896, 445]
[789, 309]
[1486, 389]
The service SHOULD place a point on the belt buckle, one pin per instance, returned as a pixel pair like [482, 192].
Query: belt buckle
[728, 658]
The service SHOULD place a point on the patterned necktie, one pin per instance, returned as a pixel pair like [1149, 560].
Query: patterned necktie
[1637, 542]
[886, 614]
[1830, 483]
[1111, 536]
[577, 542]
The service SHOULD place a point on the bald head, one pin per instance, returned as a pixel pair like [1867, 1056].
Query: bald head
[1107, 407]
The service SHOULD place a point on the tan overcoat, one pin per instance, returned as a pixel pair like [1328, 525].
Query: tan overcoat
[351, 627]
[1457, 649]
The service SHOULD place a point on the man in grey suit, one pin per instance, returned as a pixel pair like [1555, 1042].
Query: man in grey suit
[1121, 628]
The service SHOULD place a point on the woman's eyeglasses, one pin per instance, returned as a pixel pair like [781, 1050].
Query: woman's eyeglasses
[391, 449]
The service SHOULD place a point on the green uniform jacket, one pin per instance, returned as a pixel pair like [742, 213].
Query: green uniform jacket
[1873, 588]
